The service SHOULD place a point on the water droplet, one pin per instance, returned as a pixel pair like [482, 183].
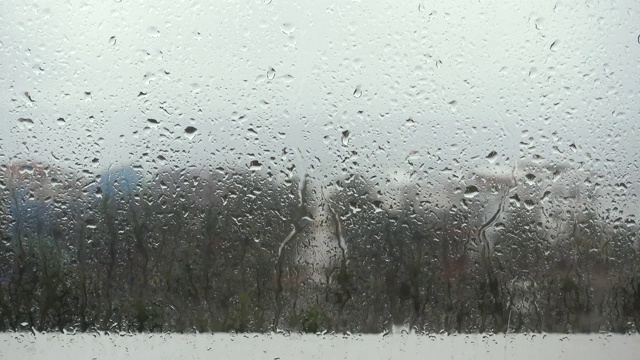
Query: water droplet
[528, 204]
[573, 147]
[190, 132]
[492, 156]
[91, 223]
[61, 121]
[255, 165]
[420, 7]
[24, 323]
[288, 28]
[438, 64]
[410, 122]
[554, 45]
[26, 121]
[546, 195]
[470, 192]
[155, 122]
[153, 31]
[638, 39]
[267, 2]
[345, 137]
[533, 72]
[112, 40]
[452, 105]
[271, 73]
[357, 92]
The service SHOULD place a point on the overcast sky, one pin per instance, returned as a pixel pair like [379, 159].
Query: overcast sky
[418, 85]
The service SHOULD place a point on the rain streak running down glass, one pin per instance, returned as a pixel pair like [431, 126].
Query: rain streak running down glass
[311, 166]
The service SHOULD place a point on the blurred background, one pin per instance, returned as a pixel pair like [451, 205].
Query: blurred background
[309, 166]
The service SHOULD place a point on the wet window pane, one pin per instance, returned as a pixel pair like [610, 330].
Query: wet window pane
[439, 167]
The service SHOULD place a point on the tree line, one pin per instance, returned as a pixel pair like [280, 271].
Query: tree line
[223, 249]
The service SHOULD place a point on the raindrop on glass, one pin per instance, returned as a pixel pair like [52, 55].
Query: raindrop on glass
[288, 28]
[26, 122]
[345, 137]
[112, 40]
[271, 73]
[190, 132]
[492, 156]
[452, 105]
[153, 31]
[357, 92]
[528, 204]
[470, 192]
[91, 223]
[255, 165]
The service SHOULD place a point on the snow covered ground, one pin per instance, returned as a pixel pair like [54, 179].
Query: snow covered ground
[280, 346]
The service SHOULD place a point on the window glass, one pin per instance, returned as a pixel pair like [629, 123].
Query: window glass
[318, 167]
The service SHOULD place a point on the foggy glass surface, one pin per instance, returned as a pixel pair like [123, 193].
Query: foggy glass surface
[319, 167]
